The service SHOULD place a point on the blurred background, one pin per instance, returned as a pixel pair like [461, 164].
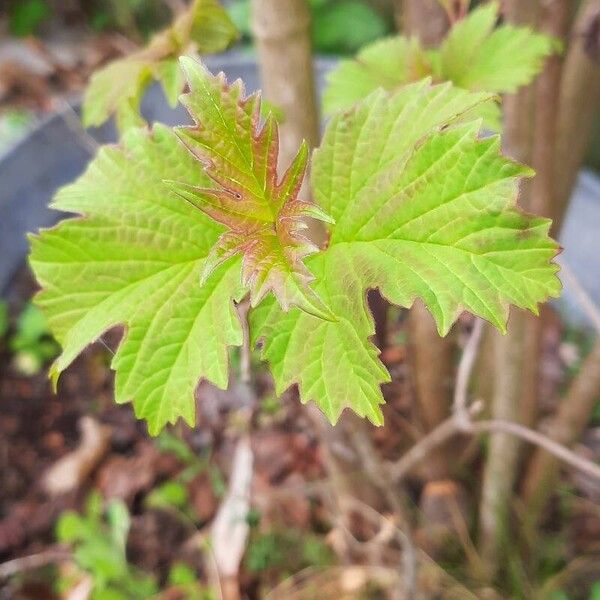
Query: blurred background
[92, 507]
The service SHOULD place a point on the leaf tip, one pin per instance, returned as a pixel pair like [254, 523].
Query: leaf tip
[54, 375]
[376, 417]
[190, 65]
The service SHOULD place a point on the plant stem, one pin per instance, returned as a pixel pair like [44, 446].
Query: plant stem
[282, 33]
[512, 375]
[503, 456]
[425, 18]
[432, 371]
[52, 555]
[246, 350]
[431, 356]
[579, 100]
[554, 19]
[461, 421]
[571, 419]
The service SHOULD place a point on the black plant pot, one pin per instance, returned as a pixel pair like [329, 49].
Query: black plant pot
[56, 152]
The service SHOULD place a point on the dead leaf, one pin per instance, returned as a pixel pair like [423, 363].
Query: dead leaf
[230, 528]
[69, 472]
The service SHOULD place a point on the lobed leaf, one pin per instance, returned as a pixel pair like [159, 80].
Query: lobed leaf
[135, 259]
[263, 214]
[475, 55]
[424, 208]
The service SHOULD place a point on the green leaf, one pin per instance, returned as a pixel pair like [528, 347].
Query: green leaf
[182, 574]
[333, 362]
[475, 56]
[388, 63]
[170, 494]
[31, 327]
[240, 11]
[118, 88]
[119, 520]
[423, 208]
[209, 27]
[262, 213]
[69, 527]
[136, 260]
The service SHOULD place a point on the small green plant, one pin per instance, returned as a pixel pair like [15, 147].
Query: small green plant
[171, 494]
[194, 464]
[185, 580]
[32, 343]
[118, 88]
[98, 539]
[562, 595]
[476, 55]
[178, 225]
[287, 551]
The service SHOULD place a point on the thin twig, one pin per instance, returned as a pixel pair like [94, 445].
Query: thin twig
[452, 426]
[376, 470]
[465, 368]
[538, 439]
[34, 561]
[461, 422]
[445, 431]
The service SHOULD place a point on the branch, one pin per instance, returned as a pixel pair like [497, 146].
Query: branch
[573, 414]
[282, 33]
[427, 20]
[454, 426]
[34, 561]
[246, 350]
[445, 431]
[465, 368]
[536, 438]
[461, 422]
[579, 98]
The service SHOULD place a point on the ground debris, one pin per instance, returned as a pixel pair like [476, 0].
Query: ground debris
[70, 472]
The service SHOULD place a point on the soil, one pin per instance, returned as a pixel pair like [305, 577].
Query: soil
[39, 427]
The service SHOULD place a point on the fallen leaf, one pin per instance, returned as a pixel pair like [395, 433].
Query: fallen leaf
[69, 472]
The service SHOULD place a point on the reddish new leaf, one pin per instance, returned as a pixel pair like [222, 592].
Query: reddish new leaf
[264, 217]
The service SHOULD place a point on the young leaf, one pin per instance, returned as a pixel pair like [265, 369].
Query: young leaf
[388, 63]
[333, 362]
[135, 259]
[118, 88]
[423, 208]
[475, 56]
[263, 215]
